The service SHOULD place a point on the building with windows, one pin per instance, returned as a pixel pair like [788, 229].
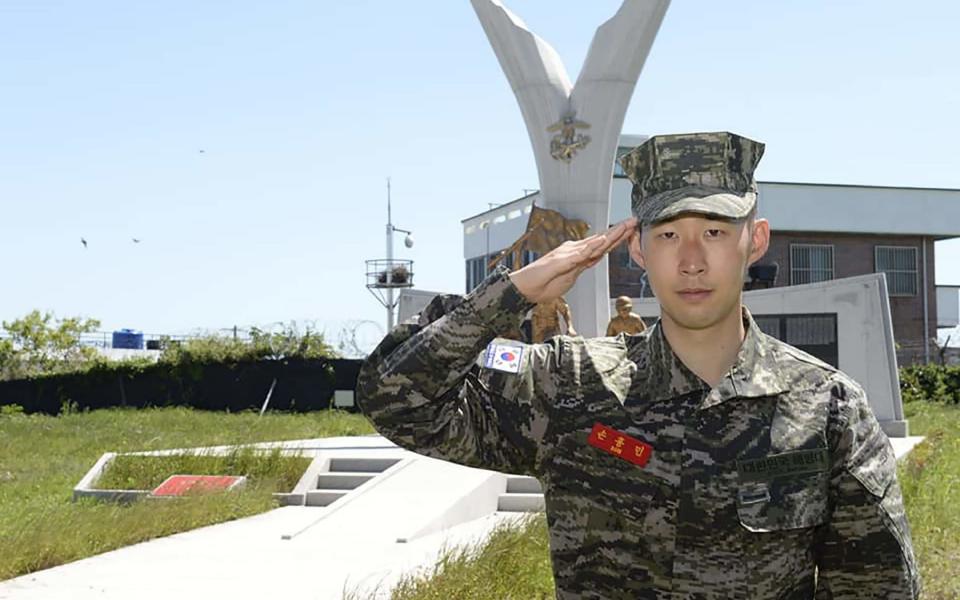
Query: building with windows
[819, 232]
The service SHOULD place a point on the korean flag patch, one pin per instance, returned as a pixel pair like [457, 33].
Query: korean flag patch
[501, 355]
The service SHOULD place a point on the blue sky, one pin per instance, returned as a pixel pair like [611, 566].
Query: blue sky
[302, 109]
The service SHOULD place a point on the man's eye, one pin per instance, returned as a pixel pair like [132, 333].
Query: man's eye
[714, 232]
[668, 235]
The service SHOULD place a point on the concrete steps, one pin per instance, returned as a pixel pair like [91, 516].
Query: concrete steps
[342, 480]
[323, 497]
[344, 475]
[361, 465]
[523, 494]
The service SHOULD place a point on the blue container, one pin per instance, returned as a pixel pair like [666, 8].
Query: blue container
[128, 339]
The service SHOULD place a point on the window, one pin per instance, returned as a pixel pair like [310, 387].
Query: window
[645, 290]
[528, 257]
[476, 271]
[815, 334]
[625, 261]
[900, 265]
[810, 263]
[768, 325]
[810, 330]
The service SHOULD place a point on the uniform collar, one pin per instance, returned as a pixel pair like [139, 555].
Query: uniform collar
[661, 374]
[754, 373]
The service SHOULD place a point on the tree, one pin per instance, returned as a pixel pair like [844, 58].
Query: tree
[283, 341]
[39, 344]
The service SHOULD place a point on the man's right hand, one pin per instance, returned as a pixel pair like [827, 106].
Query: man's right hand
[550, 276]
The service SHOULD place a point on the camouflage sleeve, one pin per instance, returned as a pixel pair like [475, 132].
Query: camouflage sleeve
[866, 550]
[424, 390]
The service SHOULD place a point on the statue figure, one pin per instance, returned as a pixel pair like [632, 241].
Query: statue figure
[626, 321]
[546, 320]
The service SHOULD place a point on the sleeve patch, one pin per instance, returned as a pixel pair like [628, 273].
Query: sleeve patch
[502, 355]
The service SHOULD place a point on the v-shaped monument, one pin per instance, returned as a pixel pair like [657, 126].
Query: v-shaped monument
[574, 128]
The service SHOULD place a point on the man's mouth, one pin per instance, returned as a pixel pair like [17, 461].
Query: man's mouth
[694, 294]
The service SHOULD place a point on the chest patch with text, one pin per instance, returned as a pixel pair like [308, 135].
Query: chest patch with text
[620, 444]
[787, 464]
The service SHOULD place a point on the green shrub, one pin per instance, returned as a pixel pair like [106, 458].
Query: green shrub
[909, 386]
[289, 342]
[932, 383]
[951, 382]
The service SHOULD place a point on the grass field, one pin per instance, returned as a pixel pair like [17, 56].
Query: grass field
[42, 458]
[930, 477]
[515, 563]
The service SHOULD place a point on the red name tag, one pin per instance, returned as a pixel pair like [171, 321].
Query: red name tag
[620, 444]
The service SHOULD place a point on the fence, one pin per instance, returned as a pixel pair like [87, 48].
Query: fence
[302, 385]
[104, 339]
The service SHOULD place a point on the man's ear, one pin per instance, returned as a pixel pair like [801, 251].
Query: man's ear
[633, 245]
[759, 240]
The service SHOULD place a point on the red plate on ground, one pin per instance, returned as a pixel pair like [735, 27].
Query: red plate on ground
[181, 485]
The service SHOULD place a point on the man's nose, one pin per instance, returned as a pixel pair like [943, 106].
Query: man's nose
[692, 258]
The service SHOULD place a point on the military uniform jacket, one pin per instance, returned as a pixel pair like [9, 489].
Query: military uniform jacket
[776, 483]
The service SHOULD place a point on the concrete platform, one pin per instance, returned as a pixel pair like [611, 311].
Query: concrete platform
[247, 559]
[903, 445]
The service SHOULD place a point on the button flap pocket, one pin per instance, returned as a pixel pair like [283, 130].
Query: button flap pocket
[783, 503]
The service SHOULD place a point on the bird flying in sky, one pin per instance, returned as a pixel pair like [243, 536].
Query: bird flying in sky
[84, 242]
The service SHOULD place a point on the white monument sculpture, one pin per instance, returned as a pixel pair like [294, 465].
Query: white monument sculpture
[574, 128]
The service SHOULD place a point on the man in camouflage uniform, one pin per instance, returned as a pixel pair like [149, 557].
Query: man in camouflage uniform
[699, 459]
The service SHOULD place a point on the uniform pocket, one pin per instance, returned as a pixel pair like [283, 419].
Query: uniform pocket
[783, 503]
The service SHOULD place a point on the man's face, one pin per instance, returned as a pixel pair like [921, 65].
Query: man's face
[624, 310]
[695, 265]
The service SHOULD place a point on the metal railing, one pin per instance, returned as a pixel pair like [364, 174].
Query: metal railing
[104, 339]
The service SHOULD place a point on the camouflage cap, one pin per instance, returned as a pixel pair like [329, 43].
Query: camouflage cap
[706, 173]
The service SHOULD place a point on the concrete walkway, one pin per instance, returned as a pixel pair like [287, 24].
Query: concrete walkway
[358, 547]
[394, 524]
[247, 559]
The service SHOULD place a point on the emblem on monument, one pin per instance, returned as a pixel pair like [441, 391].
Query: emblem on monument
[565, 144]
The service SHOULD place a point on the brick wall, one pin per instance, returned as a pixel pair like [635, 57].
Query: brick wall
[853, 254]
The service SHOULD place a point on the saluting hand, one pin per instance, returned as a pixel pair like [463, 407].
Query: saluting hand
[550, 276]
